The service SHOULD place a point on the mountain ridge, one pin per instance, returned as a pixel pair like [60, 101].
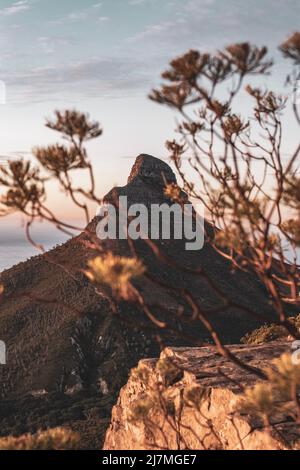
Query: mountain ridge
[62, 335]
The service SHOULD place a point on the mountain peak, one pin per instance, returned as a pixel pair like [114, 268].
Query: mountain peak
[150, 169]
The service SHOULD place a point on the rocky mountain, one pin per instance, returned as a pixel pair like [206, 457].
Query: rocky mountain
[68, 353]
[217, 424]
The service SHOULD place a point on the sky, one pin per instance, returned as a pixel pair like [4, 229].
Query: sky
[104, 57]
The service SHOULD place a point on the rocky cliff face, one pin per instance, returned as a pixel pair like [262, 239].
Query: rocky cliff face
[216, 423]
[62, 336]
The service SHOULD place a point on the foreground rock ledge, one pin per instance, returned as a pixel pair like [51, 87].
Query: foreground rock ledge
[217, 425]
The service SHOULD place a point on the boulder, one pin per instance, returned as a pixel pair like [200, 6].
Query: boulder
[217, 424]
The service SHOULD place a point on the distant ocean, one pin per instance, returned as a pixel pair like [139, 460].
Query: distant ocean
[12, 253]
[14, 247]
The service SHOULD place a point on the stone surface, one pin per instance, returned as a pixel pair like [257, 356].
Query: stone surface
[151, 170]
[217, 425]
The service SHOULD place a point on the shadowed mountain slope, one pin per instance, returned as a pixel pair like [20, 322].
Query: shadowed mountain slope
[62, 335]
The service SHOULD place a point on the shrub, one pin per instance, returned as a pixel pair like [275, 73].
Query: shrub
[52, 439]
[268, 333]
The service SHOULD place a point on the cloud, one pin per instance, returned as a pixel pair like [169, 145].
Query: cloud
[211, 24]
[137, 61]
[96, 77]
[153, 30]
[136, 2]
[50, 43]
[182, 27]
[16, 7]
[103, 19]
[80, 15]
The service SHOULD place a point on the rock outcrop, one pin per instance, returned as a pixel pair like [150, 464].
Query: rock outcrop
[216, 424]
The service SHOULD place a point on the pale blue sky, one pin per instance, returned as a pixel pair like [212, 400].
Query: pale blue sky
[103, 57]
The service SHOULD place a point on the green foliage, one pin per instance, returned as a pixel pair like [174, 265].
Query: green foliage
[291, 47]
[24, 187]
[53, 439]
[268, 333]
[115, 272]
[195, 395]
[159, 394]
[59, 159]
[276, 395]
[74, 125]
[169, 371]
